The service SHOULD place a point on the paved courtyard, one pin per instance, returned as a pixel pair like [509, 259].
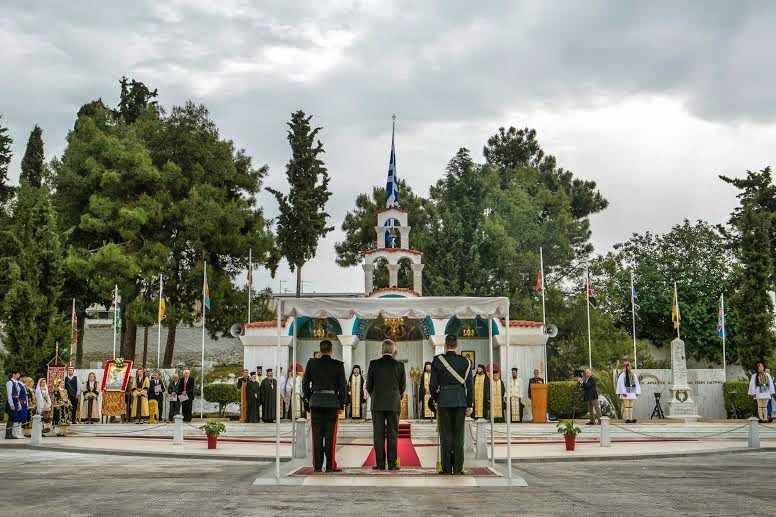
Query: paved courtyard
[94, 484]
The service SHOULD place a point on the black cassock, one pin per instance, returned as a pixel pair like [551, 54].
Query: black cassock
[253, 400]
[269, 393]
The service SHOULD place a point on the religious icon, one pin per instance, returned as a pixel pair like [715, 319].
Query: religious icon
[116, 375]
[470, 355]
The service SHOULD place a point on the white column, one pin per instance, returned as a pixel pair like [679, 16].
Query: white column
[404, 237]
[417, 278]
[393, 275]
[369, 270]
[348, 342]
[438, 342]
[380, 230]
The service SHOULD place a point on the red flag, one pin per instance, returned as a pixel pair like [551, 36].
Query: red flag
[539, 281]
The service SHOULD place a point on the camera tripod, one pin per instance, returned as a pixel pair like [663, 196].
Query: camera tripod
[658, 411]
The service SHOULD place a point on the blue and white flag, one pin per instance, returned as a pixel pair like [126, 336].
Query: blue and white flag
[392, 190]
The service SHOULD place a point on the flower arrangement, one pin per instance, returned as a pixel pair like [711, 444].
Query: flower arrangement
[119, 362]
[213, 429]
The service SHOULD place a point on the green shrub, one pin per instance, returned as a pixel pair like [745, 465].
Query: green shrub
[560, 395]
[745, 404]
[222, 394]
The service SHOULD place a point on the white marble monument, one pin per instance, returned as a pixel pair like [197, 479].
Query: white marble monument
[681, 404]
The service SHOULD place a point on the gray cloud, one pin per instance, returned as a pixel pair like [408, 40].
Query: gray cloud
[453, 73]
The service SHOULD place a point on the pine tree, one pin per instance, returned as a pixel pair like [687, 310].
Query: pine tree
[33, 162]
[35, 269]
[752, 304]
[6, 190]
[302, 219]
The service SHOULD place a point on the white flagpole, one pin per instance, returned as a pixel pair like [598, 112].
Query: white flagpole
[724, 318]
[678, 314]
[279, 308]
[73, 330]
[633, 317]
[589, 338]
[544, 315]
[250, 281]
[202, 379]
[115, 307]
[159, 324]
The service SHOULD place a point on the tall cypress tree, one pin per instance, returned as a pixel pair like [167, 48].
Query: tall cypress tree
[752, 303]
[6, 190]
[302, 219]
[33, 162]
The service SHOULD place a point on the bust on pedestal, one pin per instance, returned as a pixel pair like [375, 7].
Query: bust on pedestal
[681, 405]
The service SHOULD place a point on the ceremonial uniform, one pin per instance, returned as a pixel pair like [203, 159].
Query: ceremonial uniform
[628, 388]
[761, 389]
[325, 389]
[452, 391]
[424, 394]
[356, 394]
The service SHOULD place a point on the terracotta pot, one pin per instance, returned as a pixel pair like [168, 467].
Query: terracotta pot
[571, 441]
[212, 441]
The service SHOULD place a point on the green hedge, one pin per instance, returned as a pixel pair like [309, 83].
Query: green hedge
[561, 394]
[745, 405]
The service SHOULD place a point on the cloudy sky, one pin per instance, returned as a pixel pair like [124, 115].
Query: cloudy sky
[651, 100]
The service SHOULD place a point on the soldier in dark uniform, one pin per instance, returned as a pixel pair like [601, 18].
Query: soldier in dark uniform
[325, 390]
[452, 393]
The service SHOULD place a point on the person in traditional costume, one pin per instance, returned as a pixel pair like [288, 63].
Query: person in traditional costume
[138, 387]
[60, 402]
[268, 394]
[43, 400]
[172, 395]
[156, 392]
[90, 408]
[498, 402]
[424, 394]
[516, 397]
[628, 389]
[296, 402]
[252, 399]
[481, 392]
[13, 406]
[761, 390]
[29, 387]
[356, 394]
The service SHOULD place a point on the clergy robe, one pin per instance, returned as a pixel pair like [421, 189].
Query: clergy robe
[268, 396]
[425, 395]
[252, 401]
[481, 396]
[295, 401]
[516, 394]
[499, 402]
[89, 404]
[241, 382]
[356, 396]
[139, 390]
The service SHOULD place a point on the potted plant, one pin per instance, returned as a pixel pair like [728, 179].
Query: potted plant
[213, 430]
[570, 432]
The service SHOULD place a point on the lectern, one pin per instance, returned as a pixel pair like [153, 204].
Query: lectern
[538, 402]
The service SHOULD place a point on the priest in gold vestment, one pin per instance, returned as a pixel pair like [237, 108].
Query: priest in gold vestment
[498, 401]
[424, 394]
[481, 393]
[356, 394]
[138, 387]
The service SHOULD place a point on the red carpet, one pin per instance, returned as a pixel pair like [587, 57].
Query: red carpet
[405, 451]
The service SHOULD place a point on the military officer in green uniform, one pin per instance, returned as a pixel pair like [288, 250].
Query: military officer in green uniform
[452, 393]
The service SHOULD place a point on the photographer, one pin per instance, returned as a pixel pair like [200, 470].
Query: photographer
[590, 389]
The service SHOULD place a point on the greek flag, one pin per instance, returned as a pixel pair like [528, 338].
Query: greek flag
[391, 189]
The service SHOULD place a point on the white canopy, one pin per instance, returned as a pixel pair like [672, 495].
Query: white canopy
[416, 308]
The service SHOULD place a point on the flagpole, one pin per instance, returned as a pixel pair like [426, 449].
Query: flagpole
[633, 317]
[544, 315]
[115, 310]
[74, 326]
[250, 281]
[589, 338]
[159, 324]
[202, 382]
[724, 317]
[678, 314]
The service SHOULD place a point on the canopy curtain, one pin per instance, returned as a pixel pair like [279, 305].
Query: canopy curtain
[416, 308]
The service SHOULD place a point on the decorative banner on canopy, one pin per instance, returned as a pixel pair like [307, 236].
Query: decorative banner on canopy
[414, 308]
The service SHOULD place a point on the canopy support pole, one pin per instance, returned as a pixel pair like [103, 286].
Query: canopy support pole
[279, 308]
[509, 403]
[492, 413]
[293, 386]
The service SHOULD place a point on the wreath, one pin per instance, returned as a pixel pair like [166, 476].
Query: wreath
[681, 396]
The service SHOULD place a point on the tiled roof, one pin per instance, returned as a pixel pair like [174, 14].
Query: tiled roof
[524, 323]
[263, 324]
[394, 208]
[381, 290]
[394, 250]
